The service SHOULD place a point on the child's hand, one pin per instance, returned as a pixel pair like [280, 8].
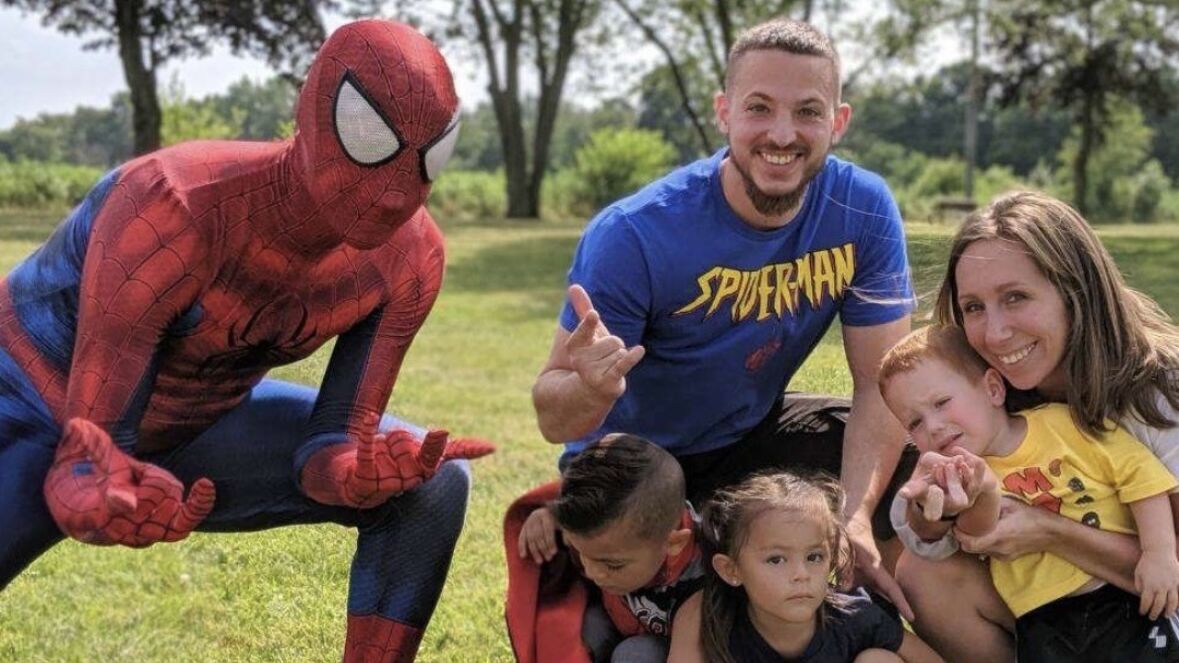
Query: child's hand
[538, 537]
[929, 488]
[1157, 580]
[968, 478]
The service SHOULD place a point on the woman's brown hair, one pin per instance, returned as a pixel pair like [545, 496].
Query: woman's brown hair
[1122, 350]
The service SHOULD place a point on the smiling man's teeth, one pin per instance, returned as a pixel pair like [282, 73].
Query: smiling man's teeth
[779, 159]
[1016, 356]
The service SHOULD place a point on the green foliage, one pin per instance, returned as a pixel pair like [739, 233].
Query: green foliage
[185, 119]
[996, 180]
[897, 164]
[30, 184]
[661, 108]
[1168, 209]
[468, 195]
[576, 125]
[91, 136]
[563, 196]
[615, 163]
[478, 146]
[1124, 183]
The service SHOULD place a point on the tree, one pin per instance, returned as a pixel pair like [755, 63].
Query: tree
[1079, 55]
[149, 33]
[505, 31]
[694, 38]
[1084, 55]
[258, 110]
[662, 107]
[513, 37]
[906, 28]
[186, 119]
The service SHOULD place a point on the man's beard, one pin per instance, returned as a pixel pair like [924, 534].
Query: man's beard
[771, 205]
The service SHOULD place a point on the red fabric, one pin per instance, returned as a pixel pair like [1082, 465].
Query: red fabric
[244, 256]
[544, 627]
[366, 473]
[98, 494]
[377, 639]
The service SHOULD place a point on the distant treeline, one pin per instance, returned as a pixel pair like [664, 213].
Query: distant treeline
[909, 131]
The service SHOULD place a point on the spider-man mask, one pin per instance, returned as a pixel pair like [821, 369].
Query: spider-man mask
[377, 120]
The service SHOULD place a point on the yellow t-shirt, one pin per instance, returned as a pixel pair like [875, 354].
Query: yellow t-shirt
[1060, 468]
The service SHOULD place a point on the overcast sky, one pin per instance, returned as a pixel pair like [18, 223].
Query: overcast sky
[43, 70]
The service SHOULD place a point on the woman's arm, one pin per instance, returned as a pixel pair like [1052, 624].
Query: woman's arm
[1024, 529]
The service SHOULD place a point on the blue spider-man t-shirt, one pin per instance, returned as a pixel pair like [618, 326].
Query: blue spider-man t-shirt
[727, 313]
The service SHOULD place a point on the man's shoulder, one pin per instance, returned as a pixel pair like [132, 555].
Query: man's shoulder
[847, 180]
[672, 194]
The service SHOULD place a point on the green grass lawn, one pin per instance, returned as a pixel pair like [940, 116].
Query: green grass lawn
[279, 595]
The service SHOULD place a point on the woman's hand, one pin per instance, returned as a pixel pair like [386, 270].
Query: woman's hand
[1021, 529]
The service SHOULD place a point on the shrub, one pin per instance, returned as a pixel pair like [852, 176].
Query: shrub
[616, 162]
[468, 195]
[1149, 187]
[34, 184]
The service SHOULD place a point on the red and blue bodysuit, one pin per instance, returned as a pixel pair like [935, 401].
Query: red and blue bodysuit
[135, 343]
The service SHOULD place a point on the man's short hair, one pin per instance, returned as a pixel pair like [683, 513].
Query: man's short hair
[784, 34]
[621, 476]
[947, 343]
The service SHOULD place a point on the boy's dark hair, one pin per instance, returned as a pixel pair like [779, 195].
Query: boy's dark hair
[621, 476]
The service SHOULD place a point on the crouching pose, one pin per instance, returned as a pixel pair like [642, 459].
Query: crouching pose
[134, 344]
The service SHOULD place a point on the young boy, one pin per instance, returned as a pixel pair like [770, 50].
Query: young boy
[623, 514]
[952, 404]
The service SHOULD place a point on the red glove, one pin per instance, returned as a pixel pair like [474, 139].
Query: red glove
[365, 473]
[98, 494]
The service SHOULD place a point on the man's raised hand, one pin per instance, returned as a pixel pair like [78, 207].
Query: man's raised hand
[599, 358]
[98, 494]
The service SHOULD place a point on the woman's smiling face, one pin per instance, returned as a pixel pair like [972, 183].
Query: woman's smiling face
[1013, 315]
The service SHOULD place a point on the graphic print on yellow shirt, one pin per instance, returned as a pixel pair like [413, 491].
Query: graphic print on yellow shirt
[1092, 481]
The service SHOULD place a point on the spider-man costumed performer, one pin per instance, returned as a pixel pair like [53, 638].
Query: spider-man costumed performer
[134, 343]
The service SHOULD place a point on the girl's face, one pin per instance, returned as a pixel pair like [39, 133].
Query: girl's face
[1013, 315]
[783, 566]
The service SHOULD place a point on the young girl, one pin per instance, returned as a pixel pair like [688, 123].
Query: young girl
[778, 548]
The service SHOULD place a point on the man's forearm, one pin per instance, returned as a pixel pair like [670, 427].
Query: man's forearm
[566, 408]
[872, 446]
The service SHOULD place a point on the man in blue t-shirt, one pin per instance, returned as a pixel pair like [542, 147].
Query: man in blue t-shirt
[694, 301]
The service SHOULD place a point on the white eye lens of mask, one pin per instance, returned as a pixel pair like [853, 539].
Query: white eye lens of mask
[436, 155]
[363, 133]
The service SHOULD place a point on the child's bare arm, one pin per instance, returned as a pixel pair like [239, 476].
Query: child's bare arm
[980, 488]
[685, 632]
[914, 650]
[928, 530]
[1156, 578]
[538, 536]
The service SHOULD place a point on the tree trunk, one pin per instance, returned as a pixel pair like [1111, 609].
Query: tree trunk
[1081, 162]
[141, 78]
[970, 135]
[505, 98]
